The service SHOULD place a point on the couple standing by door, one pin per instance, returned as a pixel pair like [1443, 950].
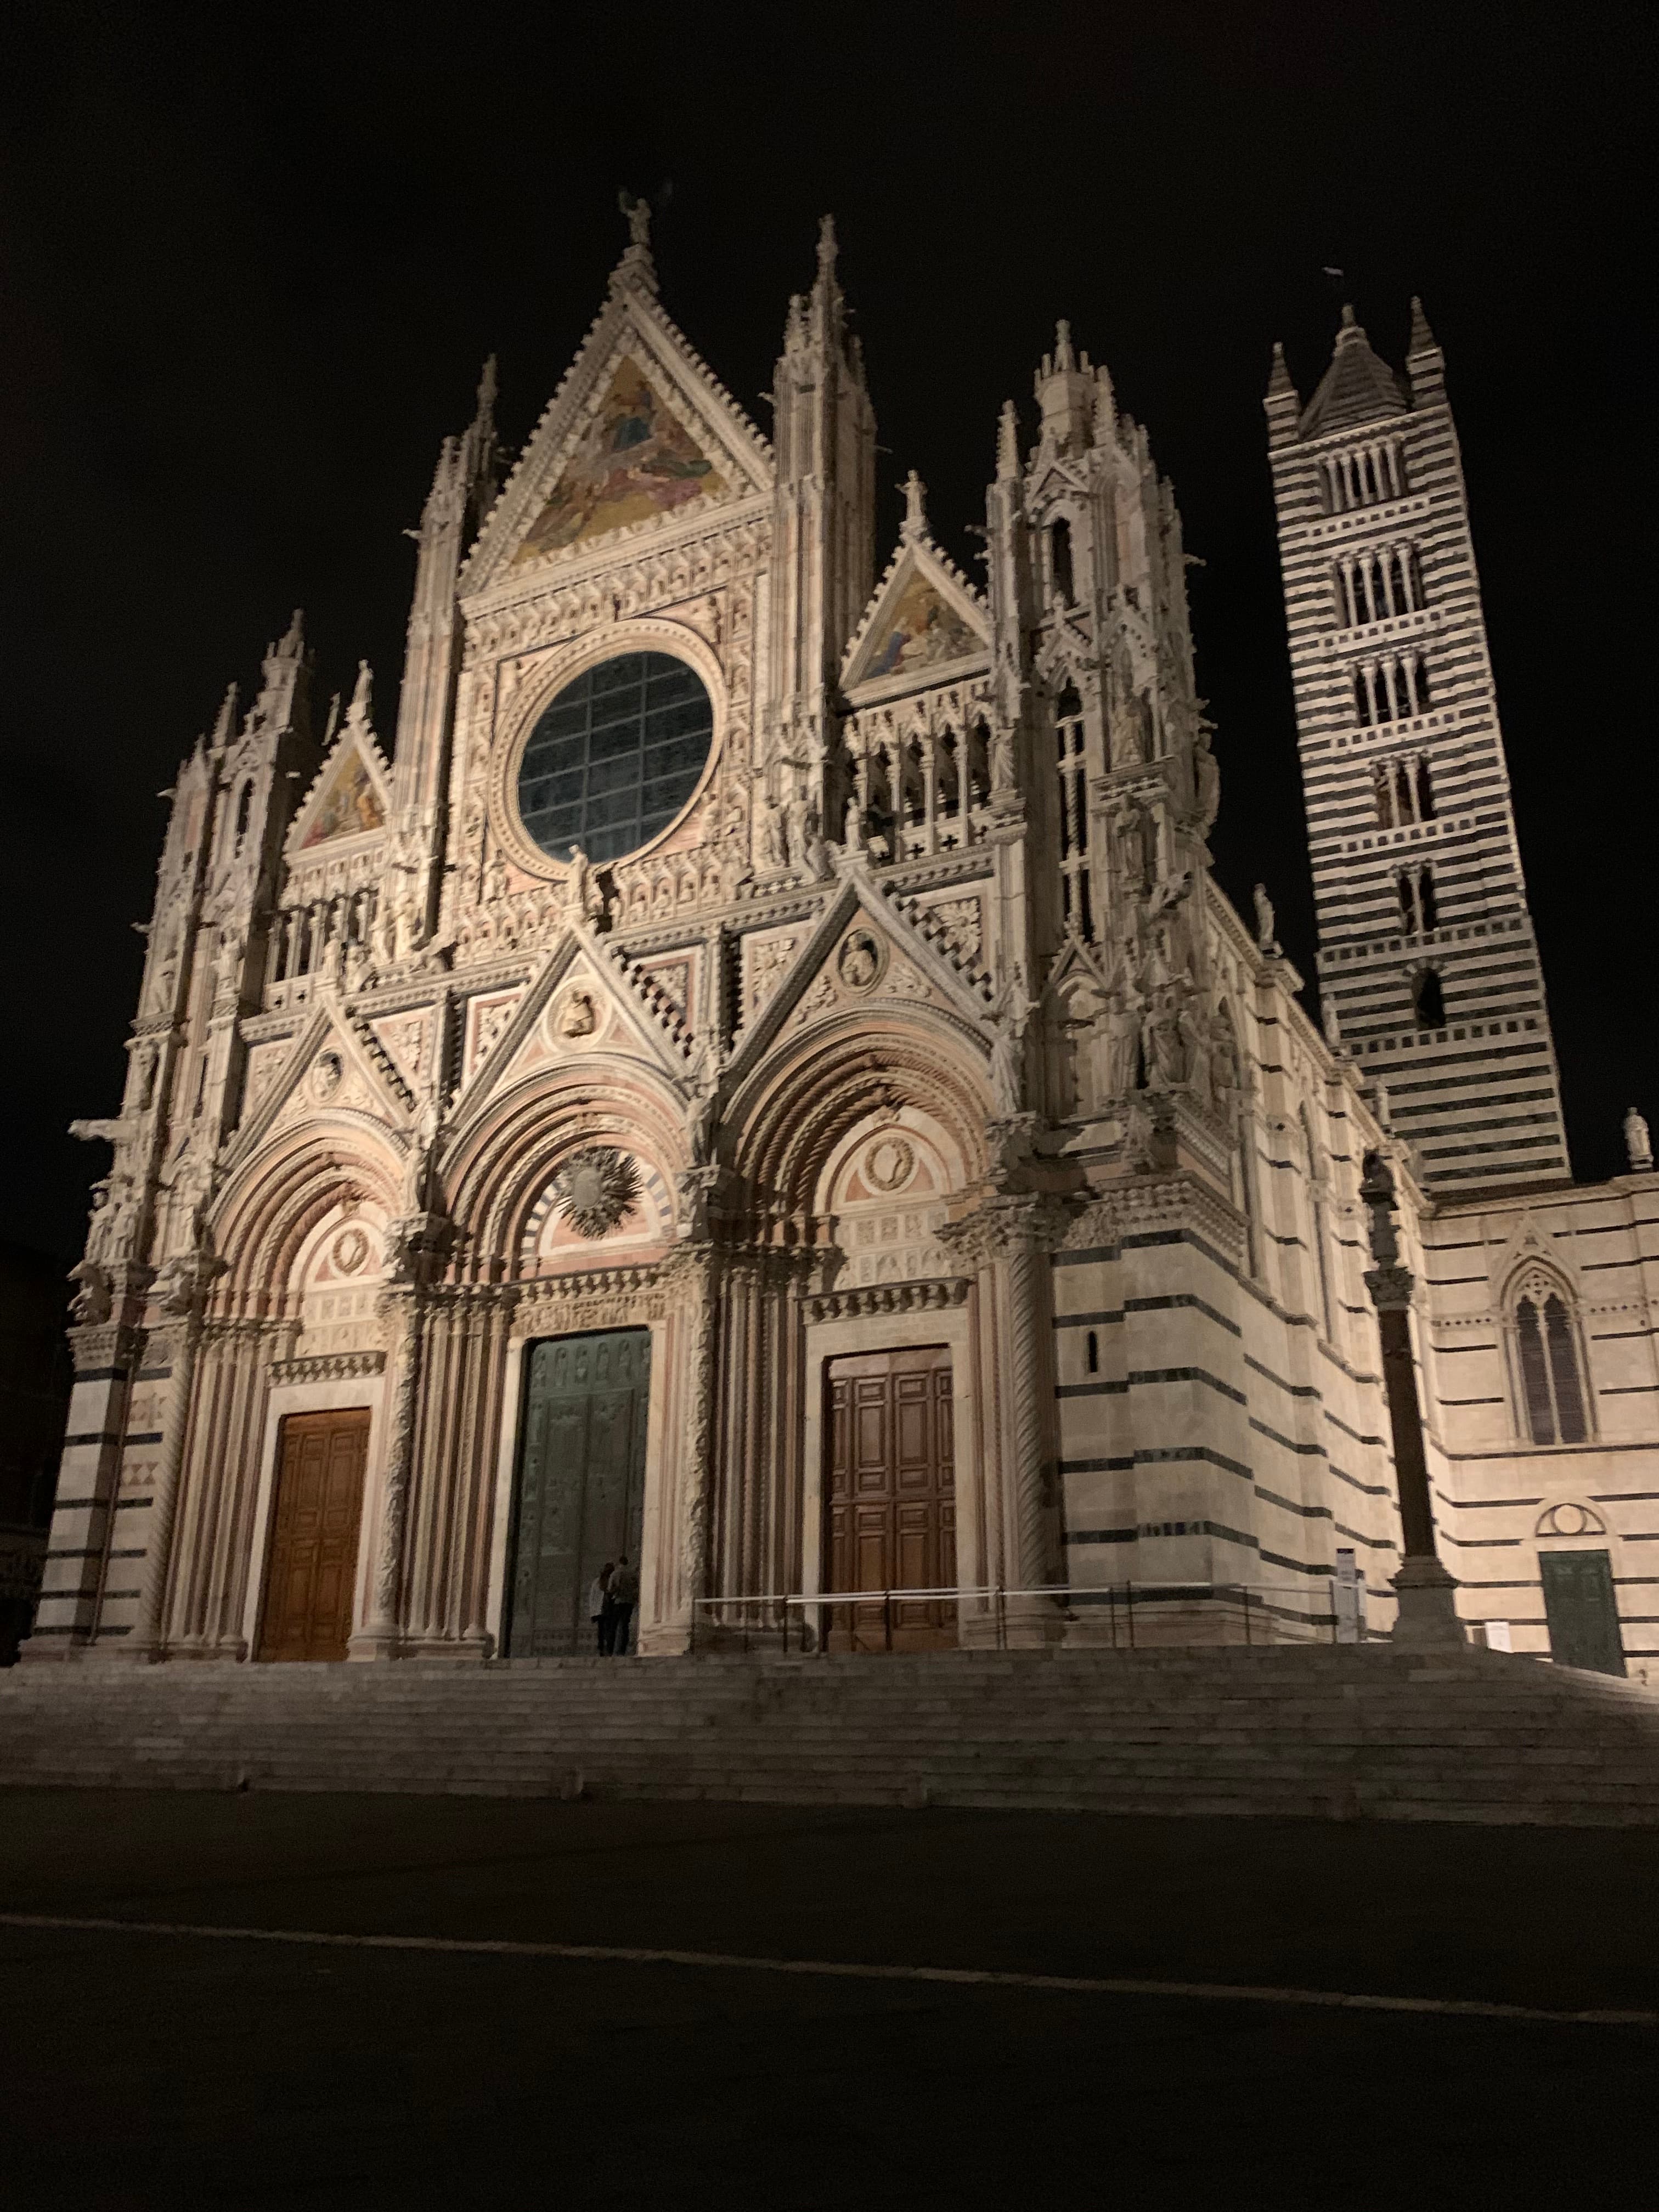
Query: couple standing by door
[611, 1598]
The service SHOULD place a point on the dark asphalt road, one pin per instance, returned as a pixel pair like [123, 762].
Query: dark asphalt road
[147, 2071]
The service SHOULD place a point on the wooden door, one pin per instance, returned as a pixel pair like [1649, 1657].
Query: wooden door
[1581, 1610]
[582, 1483]
[316, 1519]
[891, 1501]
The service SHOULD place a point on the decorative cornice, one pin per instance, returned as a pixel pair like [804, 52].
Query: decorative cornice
[327, 1367]
[1147, 1206]
[929, 1296]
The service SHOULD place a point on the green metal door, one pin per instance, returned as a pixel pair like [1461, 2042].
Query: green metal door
[582, 1483]
[1582, 1611]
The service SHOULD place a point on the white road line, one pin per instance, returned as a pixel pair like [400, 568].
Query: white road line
[849, 1970]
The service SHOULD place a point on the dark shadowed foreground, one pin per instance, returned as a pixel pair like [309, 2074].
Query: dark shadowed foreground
[163, 2070]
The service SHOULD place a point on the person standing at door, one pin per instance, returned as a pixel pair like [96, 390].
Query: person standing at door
[623, 1595]
[598, 1599]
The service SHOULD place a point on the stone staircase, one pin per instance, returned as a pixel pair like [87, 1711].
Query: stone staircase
[1324, 1732]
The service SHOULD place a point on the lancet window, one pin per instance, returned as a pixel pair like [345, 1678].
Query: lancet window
[1077, 906]
[1428, 1000]
[1059, 562]
[1549, 1375]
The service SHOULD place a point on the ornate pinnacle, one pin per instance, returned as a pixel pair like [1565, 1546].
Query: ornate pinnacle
[1422, 339]
[224, 728]
[1065, 359]
[357, 712]
[1007, 442]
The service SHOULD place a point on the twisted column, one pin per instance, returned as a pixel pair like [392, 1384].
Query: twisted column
[379, 1637]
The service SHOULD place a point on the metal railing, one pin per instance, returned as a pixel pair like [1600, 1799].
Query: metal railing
[788, 1616]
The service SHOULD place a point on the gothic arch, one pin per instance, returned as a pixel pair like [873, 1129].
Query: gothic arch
[1544, 1344]
[502, 1167]
[788, 1122]
[274, 1202]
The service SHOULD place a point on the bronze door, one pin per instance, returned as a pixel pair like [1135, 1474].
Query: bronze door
[315, 1519]
[890, 1502]
[582, 1483]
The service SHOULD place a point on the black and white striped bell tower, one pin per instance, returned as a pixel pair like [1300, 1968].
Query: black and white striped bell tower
[1426, 949]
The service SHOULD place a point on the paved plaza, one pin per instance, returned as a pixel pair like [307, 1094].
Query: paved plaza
[152, 2070]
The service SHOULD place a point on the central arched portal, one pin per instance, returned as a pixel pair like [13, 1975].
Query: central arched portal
[579, 1496]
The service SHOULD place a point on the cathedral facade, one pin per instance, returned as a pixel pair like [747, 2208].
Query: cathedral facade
[759, 1087]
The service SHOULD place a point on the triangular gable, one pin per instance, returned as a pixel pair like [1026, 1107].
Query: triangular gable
[636, 460]
[335, 1066]
[639, 434]
[351, 797]
[863, 949]
[923, 622]
[549, 1021]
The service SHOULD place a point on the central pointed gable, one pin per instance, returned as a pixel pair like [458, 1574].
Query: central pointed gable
[639, 435]
[636, 460]
[925, 622]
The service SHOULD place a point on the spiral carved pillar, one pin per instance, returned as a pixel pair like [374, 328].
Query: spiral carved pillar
[379, 1639]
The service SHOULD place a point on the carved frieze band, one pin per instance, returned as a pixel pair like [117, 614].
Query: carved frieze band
[328, 1367]
[930, 1295]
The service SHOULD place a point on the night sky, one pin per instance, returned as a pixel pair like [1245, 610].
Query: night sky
[252, 260]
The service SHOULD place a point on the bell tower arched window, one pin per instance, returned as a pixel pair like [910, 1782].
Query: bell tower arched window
[1548, 1373]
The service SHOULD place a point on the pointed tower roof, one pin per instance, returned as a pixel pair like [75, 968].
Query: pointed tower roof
[1359, 386]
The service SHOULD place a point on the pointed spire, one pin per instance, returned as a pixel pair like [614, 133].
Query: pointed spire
[1425, 364]
[1279, 377]
[1357, 387]
[1105, 424]
[291, 642]
[1066, 394]
[224, 727]
[915, 511]
[1007, 442]
[829, 249]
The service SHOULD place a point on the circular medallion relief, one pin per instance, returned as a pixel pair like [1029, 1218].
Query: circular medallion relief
[861, 961]
[615, 758]
[889, 1164]
[576, 1015]
[595, 1188]
[350, 1250]
[327, 1074]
